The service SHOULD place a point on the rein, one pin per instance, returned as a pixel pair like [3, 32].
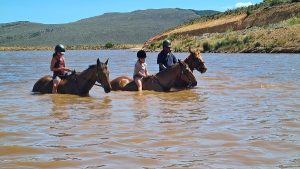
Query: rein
[76, 79]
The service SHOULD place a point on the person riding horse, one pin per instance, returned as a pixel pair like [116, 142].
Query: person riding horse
[58, 66]
[79, 83]
[165, 58]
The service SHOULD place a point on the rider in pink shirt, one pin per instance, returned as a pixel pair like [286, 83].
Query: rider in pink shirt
[140, 69]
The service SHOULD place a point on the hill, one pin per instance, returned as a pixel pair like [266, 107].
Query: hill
[121, 28]
[258, 28]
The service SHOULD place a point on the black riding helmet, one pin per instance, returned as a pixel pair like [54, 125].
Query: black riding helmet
[166, 43]
[141, 54]
[59, 48]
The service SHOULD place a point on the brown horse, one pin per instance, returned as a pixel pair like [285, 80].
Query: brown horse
[77, 83]
[162, 81]
[194, 61]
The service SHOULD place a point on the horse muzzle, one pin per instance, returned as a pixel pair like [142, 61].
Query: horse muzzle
[202, 70]
[194, 84]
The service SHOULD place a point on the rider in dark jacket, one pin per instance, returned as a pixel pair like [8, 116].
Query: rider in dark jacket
[165, 58]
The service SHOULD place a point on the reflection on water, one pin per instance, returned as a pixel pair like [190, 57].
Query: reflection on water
[244, 113]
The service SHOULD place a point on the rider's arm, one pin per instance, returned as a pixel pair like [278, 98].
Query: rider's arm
[65, 68]
[162, 67]
[146, 71]
[160, 62]
[52, 68]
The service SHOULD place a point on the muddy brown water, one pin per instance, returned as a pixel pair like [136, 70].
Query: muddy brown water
[244, 113]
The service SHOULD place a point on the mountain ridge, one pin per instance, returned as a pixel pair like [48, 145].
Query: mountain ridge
[120, 28]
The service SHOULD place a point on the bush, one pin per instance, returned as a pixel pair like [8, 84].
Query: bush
[295, 20]
[257, 44]
[206, 46]
[246, 39]
[275, 2]
[109, 45]
[249, 11]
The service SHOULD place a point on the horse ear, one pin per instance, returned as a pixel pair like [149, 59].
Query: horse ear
[106, 61]
[98, 61]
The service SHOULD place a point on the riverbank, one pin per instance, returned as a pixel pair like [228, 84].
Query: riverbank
[134, 47]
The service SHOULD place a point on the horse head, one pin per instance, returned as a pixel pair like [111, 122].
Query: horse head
[103, 75]
[186, 75]
[195, 61]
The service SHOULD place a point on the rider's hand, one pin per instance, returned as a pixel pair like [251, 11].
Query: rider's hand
[67, 69]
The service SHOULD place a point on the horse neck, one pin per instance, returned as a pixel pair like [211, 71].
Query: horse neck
[189, 62]
[87, 79]
[168, 77]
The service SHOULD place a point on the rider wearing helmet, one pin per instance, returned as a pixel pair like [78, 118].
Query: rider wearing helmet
[58, 66]
[165, 58]
[140, 69]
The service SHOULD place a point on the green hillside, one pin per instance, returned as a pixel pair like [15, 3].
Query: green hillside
[122, 28]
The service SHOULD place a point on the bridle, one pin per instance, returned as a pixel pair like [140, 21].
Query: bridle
[100, 78]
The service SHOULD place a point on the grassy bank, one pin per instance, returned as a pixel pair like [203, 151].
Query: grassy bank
[258, 29]
[285, 39]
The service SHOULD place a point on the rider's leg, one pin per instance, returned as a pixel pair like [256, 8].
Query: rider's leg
[55, 84]
[138, 82]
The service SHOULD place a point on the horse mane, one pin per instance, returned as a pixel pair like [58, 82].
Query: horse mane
[91, 66]
[170, 68]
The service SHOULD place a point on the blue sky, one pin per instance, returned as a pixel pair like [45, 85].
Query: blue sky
[64, 11]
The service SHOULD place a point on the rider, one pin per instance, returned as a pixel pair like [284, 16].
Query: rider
[140, 69]
[58, 66]
[165, 58]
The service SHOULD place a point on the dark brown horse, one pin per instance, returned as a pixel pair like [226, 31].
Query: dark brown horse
[194, 61]
[79, 83]
[162, 81]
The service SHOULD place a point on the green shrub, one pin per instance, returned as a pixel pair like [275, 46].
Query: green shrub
[295, 20]
[249, 11]
[246, 39]
[206, 46]
[275, 2]
[257, 44]
[109, 45]
[178, 49]
[218, 45]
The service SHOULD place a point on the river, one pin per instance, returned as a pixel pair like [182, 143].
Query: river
[244, 113]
